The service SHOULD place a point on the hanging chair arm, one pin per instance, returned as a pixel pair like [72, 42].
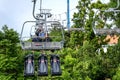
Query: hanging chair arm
[23, 28]
[34, 4]
[118, 4]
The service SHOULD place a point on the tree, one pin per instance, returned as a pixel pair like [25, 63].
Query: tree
[79, 59]
[87, 63]
[9, 51]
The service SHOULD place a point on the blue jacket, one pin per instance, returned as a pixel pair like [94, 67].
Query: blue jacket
[42, 34]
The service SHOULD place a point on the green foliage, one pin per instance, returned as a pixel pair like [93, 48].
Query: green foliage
[99, 5]
[56, 34]
[79, 59]
[8, 53]
[117, 75]
[82, 19]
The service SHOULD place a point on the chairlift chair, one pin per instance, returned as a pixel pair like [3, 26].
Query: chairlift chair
[106, 31]
[28, 45]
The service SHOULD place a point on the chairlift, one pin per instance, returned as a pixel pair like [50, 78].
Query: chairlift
[106, 31]
[36, 45]
[43, 42]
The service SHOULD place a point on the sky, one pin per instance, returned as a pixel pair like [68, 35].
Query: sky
[14, 13]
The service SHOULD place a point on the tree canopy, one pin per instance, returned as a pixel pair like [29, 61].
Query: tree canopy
[80, 58]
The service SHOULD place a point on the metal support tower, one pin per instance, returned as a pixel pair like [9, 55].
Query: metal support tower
[68, 14]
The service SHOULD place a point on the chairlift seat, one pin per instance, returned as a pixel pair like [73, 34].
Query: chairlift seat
[42, 45]
[106, 31]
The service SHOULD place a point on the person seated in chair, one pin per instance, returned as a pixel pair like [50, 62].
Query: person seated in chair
[41, 36]
[35, 39]
[37, 36]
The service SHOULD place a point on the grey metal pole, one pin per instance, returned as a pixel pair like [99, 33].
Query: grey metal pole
[45, 23]
[40, 5]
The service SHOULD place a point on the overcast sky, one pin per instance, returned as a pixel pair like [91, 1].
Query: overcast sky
[15, 12]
